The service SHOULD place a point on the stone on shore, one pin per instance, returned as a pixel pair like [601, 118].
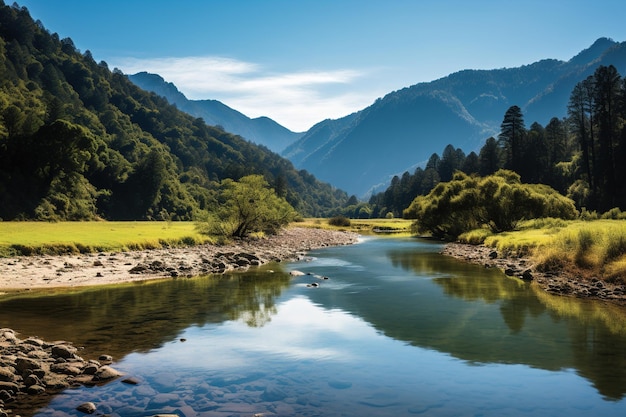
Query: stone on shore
[33, 367]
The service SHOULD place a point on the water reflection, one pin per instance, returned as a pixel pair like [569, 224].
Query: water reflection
[480, 315]
[139, 317]
[397, 329]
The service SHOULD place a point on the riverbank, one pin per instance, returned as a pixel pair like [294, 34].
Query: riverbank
[562, 283]
[31, 369]
[37, 272]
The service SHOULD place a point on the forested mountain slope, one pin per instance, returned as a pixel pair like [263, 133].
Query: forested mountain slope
[79, 141]
[403, 129]
[260, 130]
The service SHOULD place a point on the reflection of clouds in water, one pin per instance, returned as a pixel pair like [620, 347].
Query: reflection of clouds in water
[300, 330]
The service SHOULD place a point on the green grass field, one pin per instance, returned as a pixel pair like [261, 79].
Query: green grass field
[30, 238]
[396, 227]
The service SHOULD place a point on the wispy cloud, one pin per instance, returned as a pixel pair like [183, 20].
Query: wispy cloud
[295, 99]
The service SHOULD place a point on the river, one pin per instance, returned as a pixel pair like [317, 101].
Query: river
[395, 329]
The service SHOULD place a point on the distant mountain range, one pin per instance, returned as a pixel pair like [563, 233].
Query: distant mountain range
[360, 153]
[262, 130]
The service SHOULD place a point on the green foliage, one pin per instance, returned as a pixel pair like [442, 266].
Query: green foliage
[78, 141]
[499, 201]
[248, 206]
[339, 221]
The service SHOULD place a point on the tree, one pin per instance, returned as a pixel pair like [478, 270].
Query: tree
[248, 206]
[606, 98]
[489, 158]
[498, 201]
[511, 138]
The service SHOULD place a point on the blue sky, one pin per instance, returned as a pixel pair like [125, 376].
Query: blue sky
[301, 61]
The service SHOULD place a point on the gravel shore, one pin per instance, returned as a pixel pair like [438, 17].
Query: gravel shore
[34, 272]
[561, 283]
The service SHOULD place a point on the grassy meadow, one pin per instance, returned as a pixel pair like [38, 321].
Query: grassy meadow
[588, 248]
[32, 238]
[394, 227]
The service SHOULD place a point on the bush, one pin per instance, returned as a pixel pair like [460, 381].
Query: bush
[500, 202]
[339, 221]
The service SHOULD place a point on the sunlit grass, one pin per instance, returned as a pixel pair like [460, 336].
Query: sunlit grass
[397, 227]
[30, 238]
[591, 247]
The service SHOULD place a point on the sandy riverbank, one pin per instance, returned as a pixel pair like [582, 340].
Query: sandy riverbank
[33, 272]
[562, 283]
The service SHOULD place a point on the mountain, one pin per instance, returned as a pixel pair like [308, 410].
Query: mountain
[79, 142]
[261, 130]
[362, 151]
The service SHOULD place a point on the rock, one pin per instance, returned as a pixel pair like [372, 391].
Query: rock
[26, 364]
[66, 368]
[106, 358]
[510, 272]
[32, 380]
[87, 408]
[6, 374]
[5, 396]
[527, 275]
[9, 386]
[138, 269]
[35, 389]
[493, 254]
[63, 351]
[130, 381]
[91, 369]
[34, 341]
[105, 373]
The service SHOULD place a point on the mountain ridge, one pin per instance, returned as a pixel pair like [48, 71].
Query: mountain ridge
[260, 130]
[405, 127]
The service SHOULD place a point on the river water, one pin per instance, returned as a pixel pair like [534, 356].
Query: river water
[396, 329]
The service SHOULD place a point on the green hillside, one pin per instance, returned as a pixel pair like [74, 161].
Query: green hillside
[79, 141]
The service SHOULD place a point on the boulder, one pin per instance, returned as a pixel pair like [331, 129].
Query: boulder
[63, 351]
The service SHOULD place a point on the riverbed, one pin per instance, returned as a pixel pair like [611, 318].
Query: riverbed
[384, 327]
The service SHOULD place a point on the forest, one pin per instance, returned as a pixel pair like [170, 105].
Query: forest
[79, 141]
[581, 156]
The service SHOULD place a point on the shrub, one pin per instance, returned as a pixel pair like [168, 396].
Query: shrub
[339, 221]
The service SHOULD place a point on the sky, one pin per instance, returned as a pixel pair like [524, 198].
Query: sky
[303, 61]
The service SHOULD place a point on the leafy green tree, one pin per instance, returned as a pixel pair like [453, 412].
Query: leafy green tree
[498, 201]
[248, 206]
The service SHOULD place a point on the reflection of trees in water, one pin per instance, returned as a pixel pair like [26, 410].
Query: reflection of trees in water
[594, 332]
[599, 340]
[143, 316]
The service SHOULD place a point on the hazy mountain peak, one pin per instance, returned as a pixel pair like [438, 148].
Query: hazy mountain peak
[260, 130]
[405, 127]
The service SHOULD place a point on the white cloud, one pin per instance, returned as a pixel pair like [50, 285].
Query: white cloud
[296, 100]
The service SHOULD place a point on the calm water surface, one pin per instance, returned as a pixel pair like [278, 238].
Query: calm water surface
[395, 330]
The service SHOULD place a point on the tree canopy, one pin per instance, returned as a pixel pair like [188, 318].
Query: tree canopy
[79, 141]
[497, 201]
[248, 206]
